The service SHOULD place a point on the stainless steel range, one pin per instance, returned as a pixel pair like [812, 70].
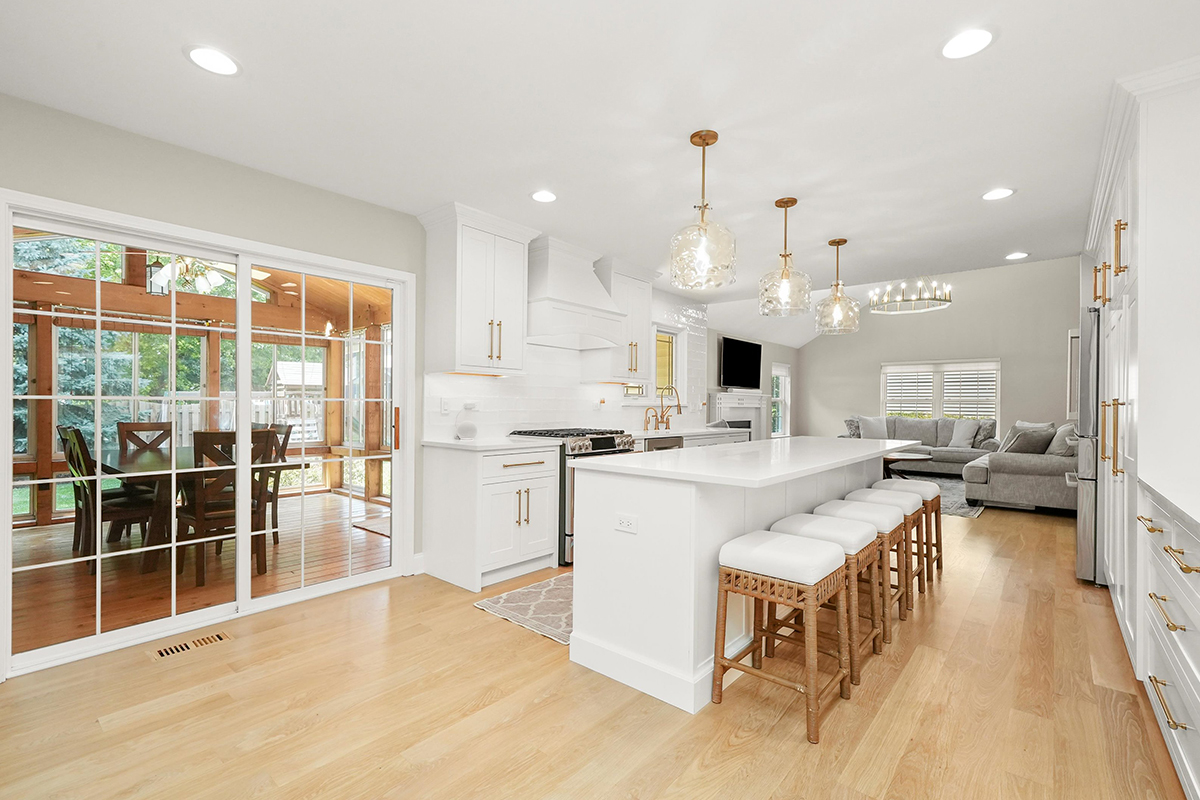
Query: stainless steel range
[577, 443]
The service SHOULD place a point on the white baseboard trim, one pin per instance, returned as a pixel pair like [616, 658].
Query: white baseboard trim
[688, 692]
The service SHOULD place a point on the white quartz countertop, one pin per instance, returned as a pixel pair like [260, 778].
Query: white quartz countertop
[522, 444]
[688, 432]
[751, 465]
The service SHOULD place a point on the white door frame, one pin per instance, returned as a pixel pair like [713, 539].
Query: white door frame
[190, 239]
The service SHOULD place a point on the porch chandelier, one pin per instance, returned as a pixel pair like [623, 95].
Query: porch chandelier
[837, 313]
[786, 291]
[925, 295]
[702, 254]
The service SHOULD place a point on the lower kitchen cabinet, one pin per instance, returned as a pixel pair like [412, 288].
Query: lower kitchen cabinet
[489, 515]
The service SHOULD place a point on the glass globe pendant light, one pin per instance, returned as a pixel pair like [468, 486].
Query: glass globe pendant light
[837, 313]
[702, 254]
[786, 291]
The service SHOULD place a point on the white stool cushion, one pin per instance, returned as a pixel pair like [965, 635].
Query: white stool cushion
[783, 555]
[927, 489]
[907, 502]
[885, 518]
[850, 534]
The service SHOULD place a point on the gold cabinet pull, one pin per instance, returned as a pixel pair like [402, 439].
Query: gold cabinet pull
[1175, 554]
[1158, 601]
[518, 507]
[524, 464]
[526, 506]
[500, 340]
[1158, 683]
[491, 337]
[635, 356]
[1096, 284]
[631, 356]
[1104, 298]
[1116, 404]
[1147, 523]
[1103, 430]
[1118, 226]
[396, 429]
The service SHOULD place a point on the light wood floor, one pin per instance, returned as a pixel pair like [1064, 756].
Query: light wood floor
[57, 604]
[1009, 681]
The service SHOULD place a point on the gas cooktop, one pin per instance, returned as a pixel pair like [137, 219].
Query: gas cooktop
[566, 433]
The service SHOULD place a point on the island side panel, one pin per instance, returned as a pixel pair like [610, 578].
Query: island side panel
[633, 612]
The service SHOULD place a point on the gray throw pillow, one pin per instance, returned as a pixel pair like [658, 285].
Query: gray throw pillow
[1064, 441]
[852, 428]
[964, 433]
[1029, 441]
[987, 430]
[1020, 426]
[873, 427]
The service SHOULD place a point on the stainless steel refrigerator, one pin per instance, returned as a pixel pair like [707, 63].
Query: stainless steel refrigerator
[1087, 563]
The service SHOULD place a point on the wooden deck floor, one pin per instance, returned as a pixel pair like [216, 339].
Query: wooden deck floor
[57, 604]
[1009, 681]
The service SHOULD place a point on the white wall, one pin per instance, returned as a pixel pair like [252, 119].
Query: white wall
[1018, 313]
[1168, 285]
[551, 394]
[53, 154]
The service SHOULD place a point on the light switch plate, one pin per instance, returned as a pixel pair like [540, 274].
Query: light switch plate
[627, 523]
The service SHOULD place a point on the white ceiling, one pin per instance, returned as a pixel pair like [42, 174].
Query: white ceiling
[848, 106]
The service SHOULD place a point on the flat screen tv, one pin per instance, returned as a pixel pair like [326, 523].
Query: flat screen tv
[741, 364]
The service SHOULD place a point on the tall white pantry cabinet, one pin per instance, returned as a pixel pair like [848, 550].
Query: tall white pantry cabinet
[476, 290]
[1149, 487]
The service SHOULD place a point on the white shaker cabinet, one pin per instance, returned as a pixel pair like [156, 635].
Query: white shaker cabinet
[489, 515]
[633, 361]
[476, 282]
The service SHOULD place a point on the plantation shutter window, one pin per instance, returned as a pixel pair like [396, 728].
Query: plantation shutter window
[969, 393]
[909, 394]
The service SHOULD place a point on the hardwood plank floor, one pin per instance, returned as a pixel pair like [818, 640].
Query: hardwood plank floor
[1008, 680]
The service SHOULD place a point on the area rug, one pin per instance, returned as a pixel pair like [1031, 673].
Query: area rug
[543, 608]
[954, 498]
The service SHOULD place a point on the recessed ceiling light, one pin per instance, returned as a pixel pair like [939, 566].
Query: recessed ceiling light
[1017, 255]
[544, 196]
[967, 43]
[998, 194]
[212, 60]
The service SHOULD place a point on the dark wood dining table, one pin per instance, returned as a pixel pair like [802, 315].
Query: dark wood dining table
[153, 466]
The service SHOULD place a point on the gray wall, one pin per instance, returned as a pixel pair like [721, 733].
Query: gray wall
[772, 353]
[58, 155]
[1019, 314]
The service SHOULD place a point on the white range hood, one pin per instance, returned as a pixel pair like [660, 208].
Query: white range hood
[568, 306]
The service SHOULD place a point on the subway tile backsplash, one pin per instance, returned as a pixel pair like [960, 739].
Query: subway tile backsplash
[551, 393]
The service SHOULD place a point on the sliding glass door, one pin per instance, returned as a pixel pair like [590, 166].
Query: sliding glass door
[171, 467]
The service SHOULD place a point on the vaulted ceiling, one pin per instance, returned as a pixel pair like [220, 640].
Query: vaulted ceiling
[848, 106]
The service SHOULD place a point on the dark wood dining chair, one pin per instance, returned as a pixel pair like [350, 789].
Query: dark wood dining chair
[209, 505]
[120, 511]
[282, 435]
[134, 437]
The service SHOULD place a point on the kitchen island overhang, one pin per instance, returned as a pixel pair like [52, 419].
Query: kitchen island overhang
[648, 529]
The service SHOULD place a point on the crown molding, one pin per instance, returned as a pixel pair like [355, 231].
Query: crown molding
[1120, 136]
[1171, 76]
[452, 212]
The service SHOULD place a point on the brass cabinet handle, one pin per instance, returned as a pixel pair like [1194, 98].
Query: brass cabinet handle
[1118, 226]
[631, 356]
[518, 507]
[1146, 523]
[1104, 298]
[1157, 683]
[500, 340]
[1103, 430]
[1116, 429]
[396, 429]
[491, 337]
[1096, 284]
[1158, 601]
[525, 464]
[1175, 554]
[635, 356]
[526, 506]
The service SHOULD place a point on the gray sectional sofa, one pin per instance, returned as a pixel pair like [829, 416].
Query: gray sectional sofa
[934, 436]
[1018, 480]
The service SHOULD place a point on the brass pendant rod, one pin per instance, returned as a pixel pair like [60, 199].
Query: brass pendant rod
[785, 229]
[837, 264]
[703, 171]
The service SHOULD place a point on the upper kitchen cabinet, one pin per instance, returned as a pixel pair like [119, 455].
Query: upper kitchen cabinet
[476, 285]
[632, 361]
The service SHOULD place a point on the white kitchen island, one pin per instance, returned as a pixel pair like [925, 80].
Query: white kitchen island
[648, 528]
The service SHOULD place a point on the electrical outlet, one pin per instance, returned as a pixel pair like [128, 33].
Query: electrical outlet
[627, 523]
[445, 405]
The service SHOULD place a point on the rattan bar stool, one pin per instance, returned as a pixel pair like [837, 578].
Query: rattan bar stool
[914, 521]
[791, 571]
[931, 498]
[858, 541]
[890, 534]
